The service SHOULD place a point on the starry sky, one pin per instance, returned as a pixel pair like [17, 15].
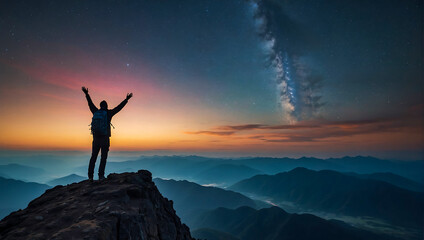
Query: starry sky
[232, 78]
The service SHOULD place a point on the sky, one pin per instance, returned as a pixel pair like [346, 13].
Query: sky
[231, 78]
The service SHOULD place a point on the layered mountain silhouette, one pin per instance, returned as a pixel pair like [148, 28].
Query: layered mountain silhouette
[16, 194]
[366, 164]
[175, 167]
[190, 198]
[358, 164]
[123, 206]
[363, 194]
[270, 165]
[212, 234]
[191, 167]
[72, 178]
[4, 175]
[198, 169]
[339, 193]
[225, 174]
[20, 172]
[274, 224]
[391, 178]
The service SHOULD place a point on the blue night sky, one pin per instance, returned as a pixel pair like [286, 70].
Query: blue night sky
[217, 63]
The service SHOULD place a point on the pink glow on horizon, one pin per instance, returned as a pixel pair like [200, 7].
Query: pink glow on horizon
[104, 74]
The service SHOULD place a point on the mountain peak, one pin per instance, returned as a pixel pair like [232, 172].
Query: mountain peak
[297, 170]
[300, 169]
[123, 206]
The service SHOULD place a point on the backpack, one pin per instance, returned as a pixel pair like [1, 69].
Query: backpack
[99, 123]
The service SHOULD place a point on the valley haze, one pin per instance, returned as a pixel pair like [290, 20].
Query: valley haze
[201, 186]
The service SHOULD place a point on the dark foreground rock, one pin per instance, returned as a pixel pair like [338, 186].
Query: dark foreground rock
[123, 206]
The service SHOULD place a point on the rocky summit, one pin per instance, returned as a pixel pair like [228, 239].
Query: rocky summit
[122, 206]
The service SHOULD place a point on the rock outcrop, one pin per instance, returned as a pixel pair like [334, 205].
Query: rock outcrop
[123, 206]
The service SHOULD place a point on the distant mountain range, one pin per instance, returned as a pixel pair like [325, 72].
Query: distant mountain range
[213, 213]
[225, 172]
[72, 178]
[20, 172]
[189, 197]
[4, 175]
[339, 193]
[212, 234]
[359, 164]
[16, 194]
[273, 224]
[392, 179]
[363, 187]
[222, 172]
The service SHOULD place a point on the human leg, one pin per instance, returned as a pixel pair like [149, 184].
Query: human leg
[94, 153]
[105, 150]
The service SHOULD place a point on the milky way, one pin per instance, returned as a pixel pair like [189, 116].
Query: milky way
[297, 90]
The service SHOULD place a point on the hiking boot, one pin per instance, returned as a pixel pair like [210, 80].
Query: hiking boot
[101, 178]
[90, 179]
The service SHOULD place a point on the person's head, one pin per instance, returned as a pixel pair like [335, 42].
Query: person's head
[103, 105]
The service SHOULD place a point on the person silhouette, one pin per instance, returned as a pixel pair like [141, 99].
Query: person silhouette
[101, 139]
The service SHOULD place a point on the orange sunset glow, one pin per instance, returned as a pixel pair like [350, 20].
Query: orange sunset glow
[203, 97]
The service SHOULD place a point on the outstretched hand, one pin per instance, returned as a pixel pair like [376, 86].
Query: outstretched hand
[85, 90]
[129, 95]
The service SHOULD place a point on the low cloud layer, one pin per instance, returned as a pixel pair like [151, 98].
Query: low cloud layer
[321, 130]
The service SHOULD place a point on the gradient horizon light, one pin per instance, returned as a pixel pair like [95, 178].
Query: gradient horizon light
[202, 82]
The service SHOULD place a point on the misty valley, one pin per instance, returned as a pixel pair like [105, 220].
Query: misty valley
[256, 197]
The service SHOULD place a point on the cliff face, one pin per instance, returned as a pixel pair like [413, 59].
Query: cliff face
[123, 206]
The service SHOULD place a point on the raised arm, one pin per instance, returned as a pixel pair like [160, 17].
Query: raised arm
[91, 105]
[121, 105]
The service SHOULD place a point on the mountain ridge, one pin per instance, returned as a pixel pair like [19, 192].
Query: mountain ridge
[331, 191]
[274, 223]
[189, 197]
[68, 179]
[16, 194]
[123, 206]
